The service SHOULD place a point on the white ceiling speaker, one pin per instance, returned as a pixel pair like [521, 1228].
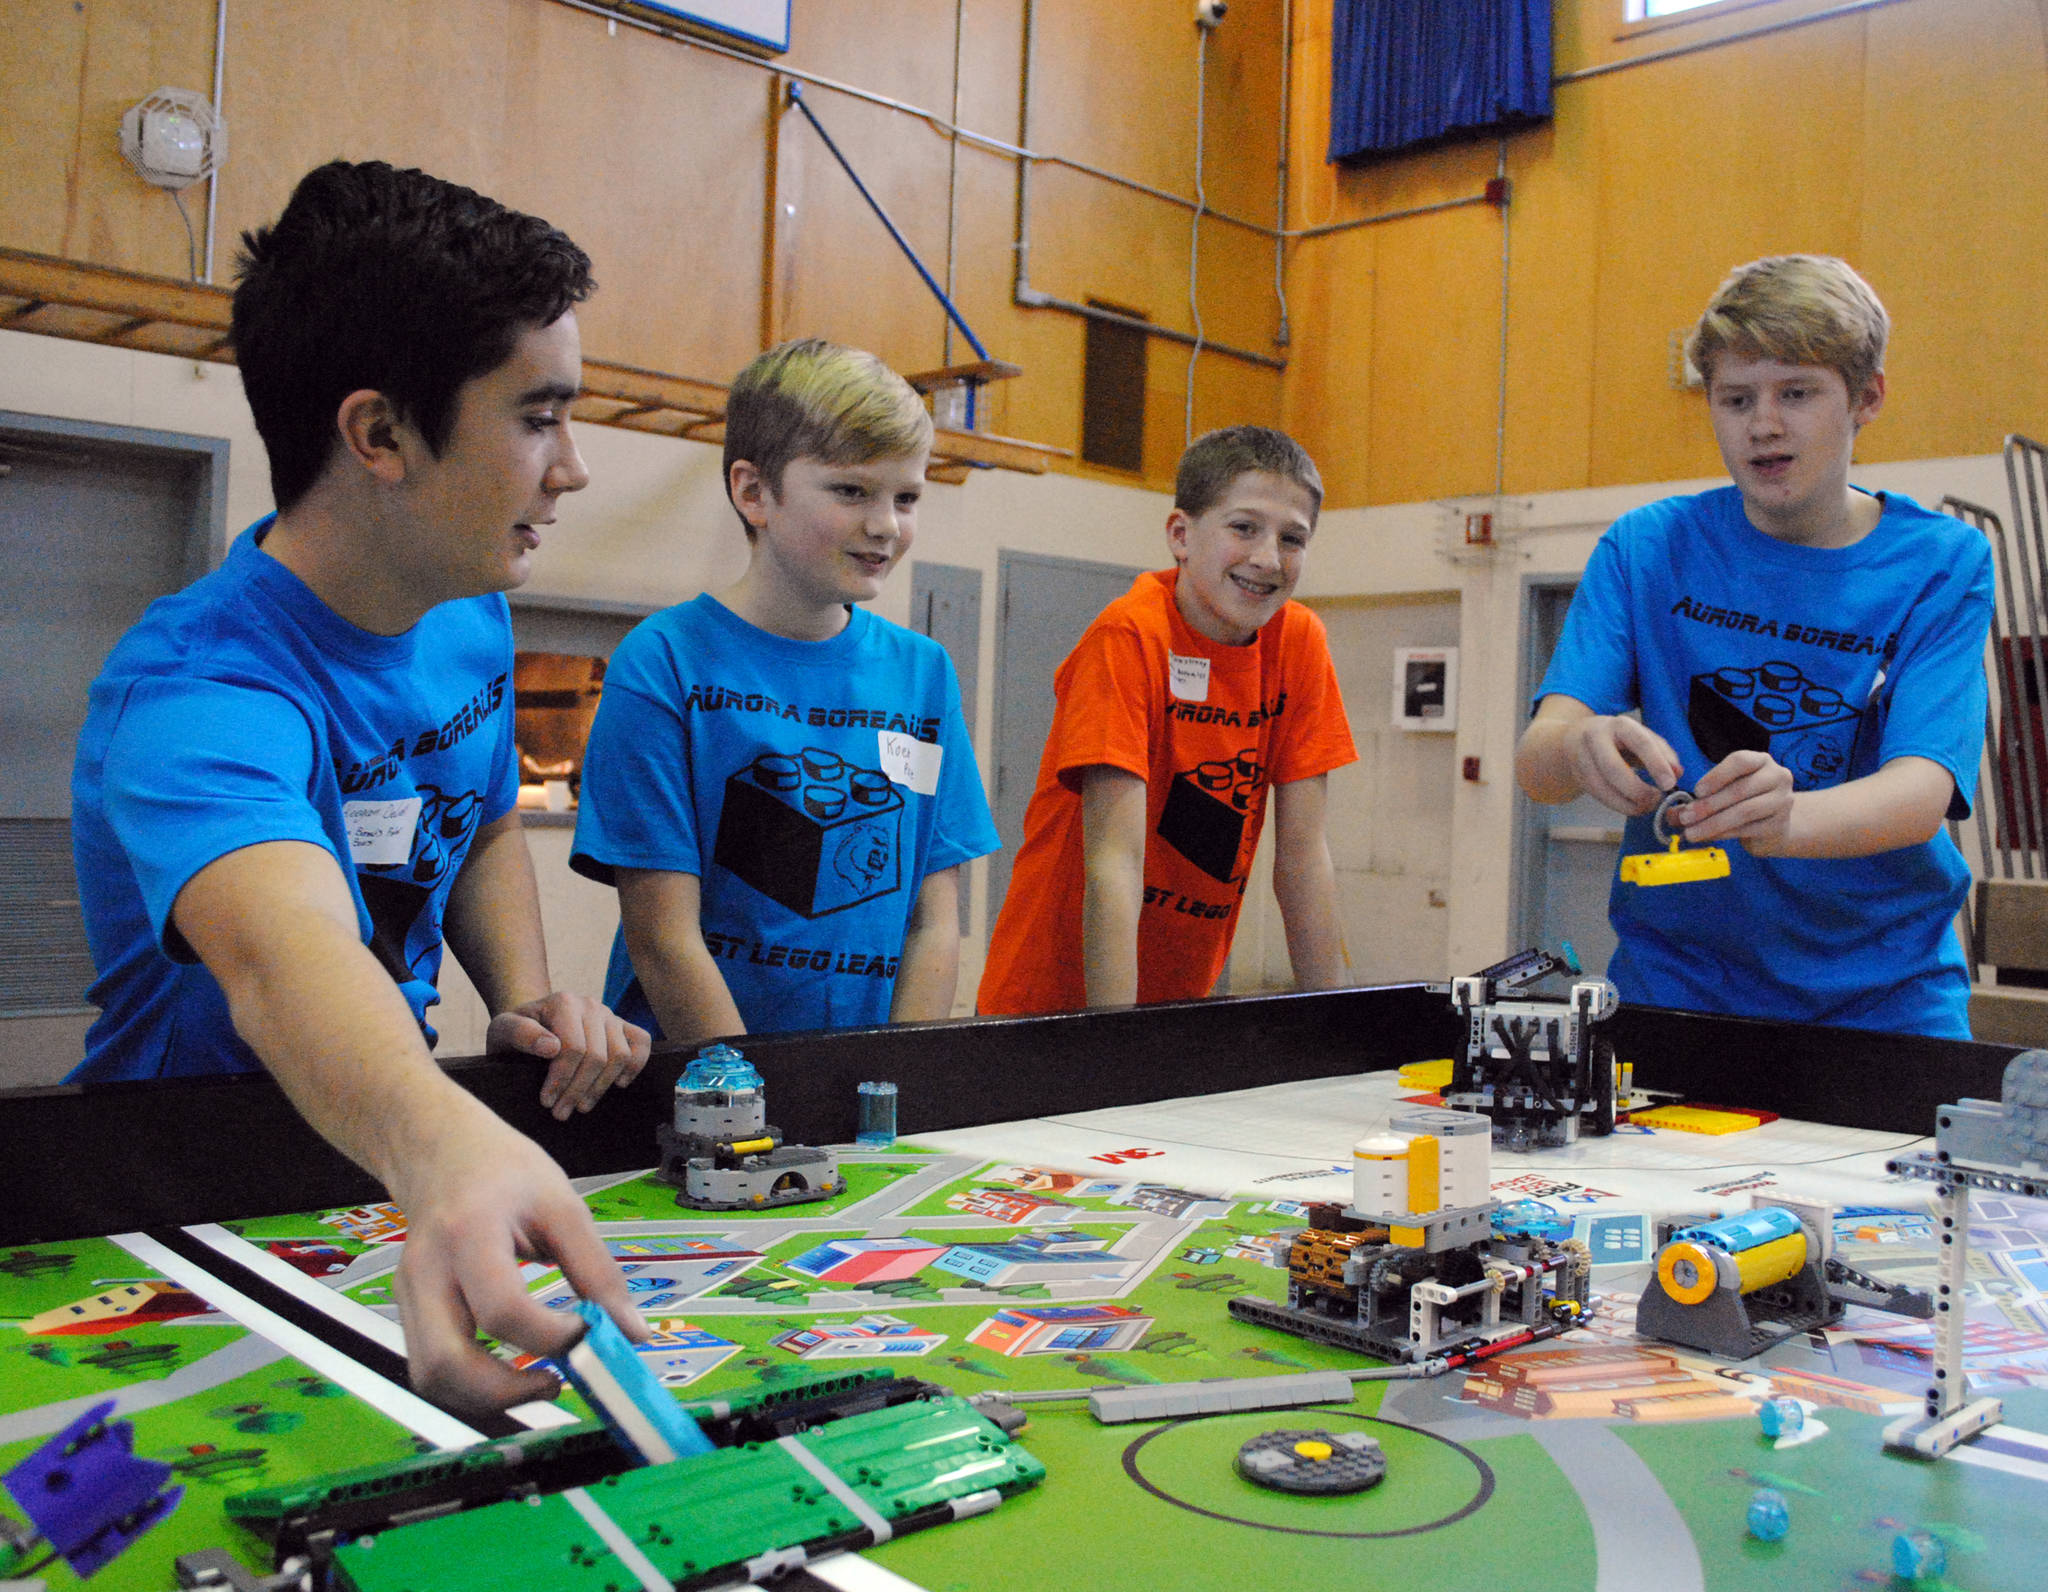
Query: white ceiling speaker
[174, 138]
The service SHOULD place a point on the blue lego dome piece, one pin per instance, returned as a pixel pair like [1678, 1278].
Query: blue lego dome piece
[1769, 1518]
[1531, 1219]
[1781, 1417]
[719, 1067]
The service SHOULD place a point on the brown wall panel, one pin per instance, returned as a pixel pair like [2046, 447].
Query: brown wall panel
[654, 156]
[1910, 138]
[1955, 234]
[1330, 379]
[1436, 359]
[1554, 276]
[68, 73]
[1669, 229]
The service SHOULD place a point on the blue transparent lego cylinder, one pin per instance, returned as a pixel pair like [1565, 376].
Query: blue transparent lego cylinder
[877, 1114]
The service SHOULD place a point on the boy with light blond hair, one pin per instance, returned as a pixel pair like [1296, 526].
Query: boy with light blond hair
[780, 784]
[1808, 662]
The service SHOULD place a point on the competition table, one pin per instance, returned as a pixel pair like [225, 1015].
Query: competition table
[1228, 1113]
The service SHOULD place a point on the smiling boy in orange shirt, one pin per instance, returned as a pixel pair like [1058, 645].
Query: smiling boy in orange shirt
[1186, 701]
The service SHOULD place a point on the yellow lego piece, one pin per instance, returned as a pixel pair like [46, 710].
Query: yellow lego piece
[1695, 1119]
[1427, 1074]
[1408, 1237]
[1675, 866]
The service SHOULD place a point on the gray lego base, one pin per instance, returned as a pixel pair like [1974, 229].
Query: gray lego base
[1223, 1396]
[1353, 1463]
[1319, 1328]
[1735, 1326]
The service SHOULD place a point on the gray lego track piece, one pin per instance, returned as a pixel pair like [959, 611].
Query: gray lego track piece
[1222, 1396]
[1274, 1459]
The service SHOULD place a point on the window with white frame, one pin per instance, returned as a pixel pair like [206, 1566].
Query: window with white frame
[1650, 10]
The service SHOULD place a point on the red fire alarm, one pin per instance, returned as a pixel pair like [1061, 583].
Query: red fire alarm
[1472, 769]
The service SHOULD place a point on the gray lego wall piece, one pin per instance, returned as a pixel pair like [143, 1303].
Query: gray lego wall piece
[1444, 1124]
[2009, 1133]
[1224, 1396]
[2026, 1103]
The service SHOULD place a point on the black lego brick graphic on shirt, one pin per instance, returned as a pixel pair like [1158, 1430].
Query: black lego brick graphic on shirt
[812, 831]
[1206, 809]
[1805, 726]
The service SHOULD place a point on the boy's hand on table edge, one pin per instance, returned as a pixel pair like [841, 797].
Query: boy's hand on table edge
[489, 1201]
[1622, 763]
[1747, 797]
[589, 1047]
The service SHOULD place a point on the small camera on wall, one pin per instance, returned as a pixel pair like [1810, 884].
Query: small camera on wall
[1210, 13]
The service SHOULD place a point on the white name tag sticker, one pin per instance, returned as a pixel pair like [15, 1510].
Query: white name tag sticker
[1187, 678]
[380, 833]
[911, 762]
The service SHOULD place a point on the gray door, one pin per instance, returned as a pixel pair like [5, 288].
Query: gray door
[95, 524]
[1044, 604]
[1568, 854]
[945, 604]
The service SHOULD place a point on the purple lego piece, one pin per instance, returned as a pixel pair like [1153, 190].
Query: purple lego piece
[86, 1492]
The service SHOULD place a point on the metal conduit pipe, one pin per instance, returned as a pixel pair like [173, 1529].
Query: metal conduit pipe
[998, 146]
[220, 63]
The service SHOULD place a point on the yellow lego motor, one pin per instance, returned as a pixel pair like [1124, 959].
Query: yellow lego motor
[1675, 865]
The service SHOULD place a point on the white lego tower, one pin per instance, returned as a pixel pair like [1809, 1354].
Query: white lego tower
[1428, 1179]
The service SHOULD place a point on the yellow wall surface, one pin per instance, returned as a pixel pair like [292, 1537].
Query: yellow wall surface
[716, 218]
[1910, 138]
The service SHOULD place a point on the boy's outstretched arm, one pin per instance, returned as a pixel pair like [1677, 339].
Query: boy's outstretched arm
[928, 976]
[1568, 750]
[1749, 798]
[661, 913]
[1305, 884]
[492, 924]
[1113, 883]
[275, 925]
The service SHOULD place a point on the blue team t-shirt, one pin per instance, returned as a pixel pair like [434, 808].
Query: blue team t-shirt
[243, 710]
[810, 786]
[1835, 661]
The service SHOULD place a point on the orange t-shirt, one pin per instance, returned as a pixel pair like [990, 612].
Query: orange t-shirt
[1208, 728]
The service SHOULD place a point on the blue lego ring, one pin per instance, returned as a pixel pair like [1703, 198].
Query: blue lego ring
[1672, 798]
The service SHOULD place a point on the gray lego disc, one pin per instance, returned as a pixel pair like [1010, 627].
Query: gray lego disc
[1318, 1463]
[1658, 827]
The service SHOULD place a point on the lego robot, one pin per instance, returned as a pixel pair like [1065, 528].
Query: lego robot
[1416, 1270]
[720, 1153]
[2002, 1147]
[1532, 1064]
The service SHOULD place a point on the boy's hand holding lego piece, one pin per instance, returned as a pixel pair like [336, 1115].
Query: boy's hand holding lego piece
[1620, 762]
[481, 1202]
[590, 1047]
[1747, 796]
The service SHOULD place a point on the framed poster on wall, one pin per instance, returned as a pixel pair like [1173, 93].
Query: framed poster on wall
[1426, 688]
[758, 25]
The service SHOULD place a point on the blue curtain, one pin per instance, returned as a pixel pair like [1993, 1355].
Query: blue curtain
[1412, 71]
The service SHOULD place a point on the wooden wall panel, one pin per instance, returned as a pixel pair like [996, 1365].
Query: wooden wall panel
[1556, 264]
[1671, 223]
[1328, 396]
[1911, 139]
[655, 157]
[1955, 231]
[68, 73]
[1436, 356]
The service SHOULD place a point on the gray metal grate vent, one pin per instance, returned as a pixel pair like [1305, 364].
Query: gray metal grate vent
[44, 965]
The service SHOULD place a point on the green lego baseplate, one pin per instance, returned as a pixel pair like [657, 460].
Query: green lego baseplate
[311, 1515]
[698, 1522]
